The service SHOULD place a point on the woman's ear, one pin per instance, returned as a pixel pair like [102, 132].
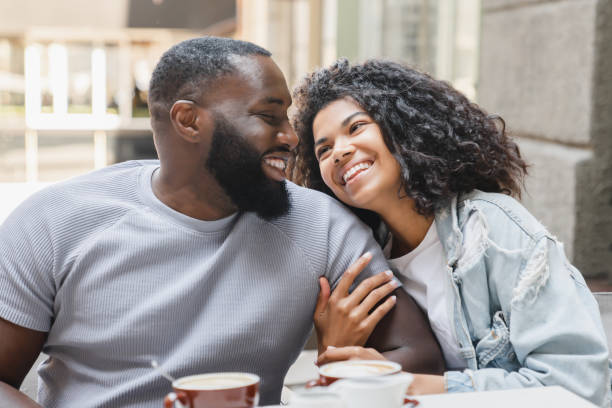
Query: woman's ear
[188, 121]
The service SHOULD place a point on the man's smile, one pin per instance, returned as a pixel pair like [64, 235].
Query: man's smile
[275, 164]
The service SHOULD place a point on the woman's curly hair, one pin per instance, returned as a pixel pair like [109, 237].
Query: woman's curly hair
[445, 145]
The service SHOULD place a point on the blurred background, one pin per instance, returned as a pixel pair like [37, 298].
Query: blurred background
[74, 77]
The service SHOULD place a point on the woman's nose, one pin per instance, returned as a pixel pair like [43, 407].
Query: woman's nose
[343, 154]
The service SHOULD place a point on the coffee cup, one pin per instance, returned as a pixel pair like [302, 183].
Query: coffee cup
[219, 390]
[388, 391]
[315, 399]
[329, 373]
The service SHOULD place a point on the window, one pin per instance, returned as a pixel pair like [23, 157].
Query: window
[12, 157]
[64, 154]
[12, 81]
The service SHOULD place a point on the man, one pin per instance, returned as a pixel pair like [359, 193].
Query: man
[205, 261]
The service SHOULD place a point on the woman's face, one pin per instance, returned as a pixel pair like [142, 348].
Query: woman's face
[354, 160]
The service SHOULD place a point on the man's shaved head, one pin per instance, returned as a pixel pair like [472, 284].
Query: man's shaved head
[185, 68]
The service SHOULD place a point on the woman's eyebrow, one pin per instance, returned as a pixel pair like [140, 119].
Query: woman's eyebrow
[321, 140]
[351, 116]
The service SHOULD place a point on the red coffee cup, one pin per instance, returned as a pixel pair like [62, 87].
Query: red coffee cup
[332, 372]
[219, 390]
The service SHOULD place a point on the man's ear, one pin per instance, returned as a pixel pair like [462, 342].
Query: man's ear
[189, 121]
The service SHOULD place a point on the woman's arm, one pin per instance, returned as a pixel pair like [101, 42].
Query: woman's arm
[422, 383]
[401, 333]
[554, 328]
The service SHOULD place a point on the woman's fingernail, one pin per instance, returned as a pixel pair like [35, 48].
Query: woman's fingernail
[389, 273]
[367, 255]
[393, 298]
[330, 347]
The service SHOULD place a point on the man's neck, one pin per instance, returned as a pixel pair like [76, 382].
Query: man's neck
[196, 195]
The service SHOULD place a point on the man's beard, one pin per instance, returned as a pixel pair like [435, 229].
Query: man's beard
[236, 165]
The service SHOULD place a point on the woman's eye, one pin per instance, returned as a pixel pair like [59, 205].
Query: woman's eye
[355, 126]
[321, 152]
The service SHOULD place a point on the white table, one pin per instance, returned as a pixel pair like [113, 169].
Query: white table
[541, 397]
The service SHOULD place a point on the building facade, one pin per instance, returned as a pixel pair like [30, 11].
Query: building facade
[546, 67]
[74, 78]
[437, 36]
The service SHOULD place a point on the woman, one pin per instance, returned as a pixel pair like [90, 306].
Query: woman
[434, 176]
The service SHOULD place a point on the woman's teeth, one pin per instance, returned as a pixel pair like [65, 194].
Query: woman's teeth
[279, 164]
[350, 172]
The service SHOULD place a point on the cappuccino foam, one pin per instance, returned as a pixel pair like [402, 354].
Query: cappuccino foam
[353, 370]
[219, 382]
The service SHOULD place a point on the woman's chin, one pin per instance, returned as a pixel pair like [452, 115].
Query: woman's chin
[364, 202]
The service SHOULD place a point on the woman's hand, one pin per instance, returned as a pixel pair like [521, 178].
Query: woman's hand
[427, 384]
[343, 319]
[421, 385]
[348, 353]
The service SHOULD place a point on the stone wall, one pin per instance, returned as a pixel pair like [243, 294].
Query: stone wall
[546, 67]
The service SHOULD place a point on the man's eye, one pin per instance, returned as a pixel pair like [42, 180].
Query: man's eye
[270, 119]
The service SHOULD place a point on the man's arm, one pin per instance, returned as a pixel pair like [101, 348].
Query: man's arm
[19, 349]
[404, 335]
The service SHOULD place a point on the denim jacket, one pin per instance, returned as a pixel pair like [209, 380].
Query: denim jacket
[522, 314]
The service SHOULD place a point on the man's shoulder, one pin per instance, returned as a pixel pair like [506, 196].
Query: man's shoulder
[327, 233]
[306, 200]
[112, 172]
[86, 194]
[299, 192]
[110, 180]
[315, 216]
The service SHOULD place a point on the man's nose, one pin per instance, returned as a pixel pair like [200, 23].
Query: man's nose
[288, 137]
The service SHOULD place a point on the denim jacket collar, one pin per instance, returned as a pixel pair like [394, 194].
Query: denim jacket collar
[447, 225]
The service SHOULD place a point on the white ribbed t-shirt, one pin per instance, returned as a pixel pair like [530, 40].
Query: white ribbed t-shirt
[422, 271]
[117, 279]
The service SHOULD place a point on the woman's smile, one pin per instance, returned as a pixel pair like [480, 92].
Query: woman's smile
[355, 171]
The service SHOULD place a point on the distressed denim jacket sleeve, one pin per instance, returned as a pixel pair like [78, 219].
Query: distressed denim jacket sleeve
[545, 327]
